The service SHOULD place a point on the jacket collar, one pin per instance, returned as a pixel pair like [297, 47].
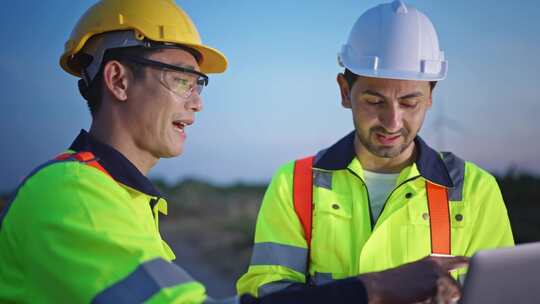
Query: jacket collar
[429, 163]
[118, 166]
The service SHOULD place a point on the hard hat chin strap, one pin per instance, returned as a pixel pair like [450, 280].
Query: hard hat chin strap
[83, 89]
[96, 47]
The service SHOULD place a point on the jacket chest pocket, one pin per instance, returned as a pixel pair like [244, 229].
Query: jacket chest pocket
[332, 219]
[332, 212]
[419, 230]
[331, 234]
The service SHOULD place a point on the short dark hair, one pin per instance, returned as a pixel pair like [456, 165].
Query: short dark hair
[93, 93]
[350, 77]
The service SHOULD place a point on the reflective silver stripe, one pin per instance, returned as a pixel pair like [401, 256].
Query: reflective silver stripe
[456, 170]
[272, 287]
[235, 300]
[321, 278]
[322, 179]
[145, 281]
[288, 256]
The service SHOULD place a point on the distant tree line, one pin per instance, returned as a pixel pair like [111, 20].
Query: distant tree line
[521, 194]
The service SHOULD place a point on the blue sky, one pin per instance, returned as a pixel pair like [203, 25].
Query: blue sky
[278, 100]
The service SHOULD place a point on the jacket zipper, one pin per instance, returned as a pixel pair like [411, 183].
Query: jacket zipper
[372, 222]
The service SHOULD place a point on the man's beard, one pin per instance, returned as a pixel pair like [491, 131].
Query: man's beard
[381, 151]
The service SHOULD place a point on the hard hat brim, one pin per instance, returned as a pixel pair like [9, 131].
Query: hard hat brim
[213, 61]
[400, 75]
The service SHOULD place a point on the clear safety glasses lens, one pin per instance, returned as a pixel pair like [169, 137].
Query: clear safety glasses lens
[182, 84]
[180, 80]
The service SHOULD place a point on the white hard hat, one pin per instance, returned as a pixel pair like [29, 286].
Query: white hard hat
[394, 40]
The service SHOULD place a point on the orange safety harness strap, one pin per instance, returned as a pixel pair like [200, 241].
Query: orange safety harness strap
[439, 218]
[303, 194]
[84, 157]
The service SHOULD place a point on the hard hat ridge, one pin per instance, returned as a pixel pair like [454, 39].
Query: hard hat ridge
[399, 7]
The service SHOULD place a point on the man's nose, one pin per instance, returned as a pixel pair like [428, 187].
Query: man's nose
[194, 102]
[392, 118]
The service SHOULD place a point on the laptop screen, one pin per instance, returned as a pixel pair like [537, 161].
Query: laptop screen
[507, 275]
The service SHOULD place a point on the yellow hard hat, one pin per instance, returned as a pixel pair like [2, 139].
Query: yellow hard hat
[155, 20]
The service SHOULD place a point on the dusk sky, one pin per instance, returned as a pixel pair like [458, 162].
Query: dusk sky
[279, 99]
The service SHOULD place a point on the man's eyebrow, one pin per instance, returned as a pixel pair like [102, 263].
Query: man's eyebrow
[369, 92]
[411, 95]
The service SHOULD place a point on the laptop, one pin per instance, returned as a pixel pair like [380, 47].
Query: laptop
[507, 275]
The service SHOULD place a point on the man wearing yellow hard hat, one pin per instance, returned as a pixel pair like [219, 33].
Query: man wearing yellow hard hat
[83, 227]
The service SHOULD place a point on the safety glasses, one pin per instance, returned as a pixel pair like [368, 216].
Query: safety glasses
[181, 81]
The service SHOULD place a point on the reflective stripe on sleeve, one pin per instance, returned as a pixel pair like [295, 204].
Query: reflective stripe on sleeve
[145, 281]
[272, 287]
[288, 256]
[235, 300]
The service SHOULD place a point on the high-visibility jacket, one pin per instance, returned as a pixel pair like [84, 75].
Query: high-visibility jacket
[344, 239]
[84, 228]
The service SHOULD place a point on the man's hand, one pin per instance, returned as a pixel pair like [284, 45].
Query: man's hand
[427, 280]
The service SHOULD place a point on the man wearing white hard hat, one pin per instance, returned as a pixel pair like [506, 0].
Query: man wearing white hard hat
[380, 196]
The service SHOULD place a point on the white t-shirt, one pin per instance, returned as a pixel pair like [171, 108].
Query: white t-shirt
[379, 186]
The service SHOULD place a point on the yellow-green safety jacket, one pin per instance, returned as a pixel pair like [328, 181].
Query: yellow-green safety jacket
[75, 234]
[345, 240]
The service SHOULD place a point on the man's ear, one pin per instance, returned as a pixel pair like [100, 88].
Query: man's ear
[344, 90]
[115, 77]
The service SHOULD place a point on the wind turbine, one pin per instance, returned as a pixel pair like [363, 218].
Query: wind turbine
[442, 123]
